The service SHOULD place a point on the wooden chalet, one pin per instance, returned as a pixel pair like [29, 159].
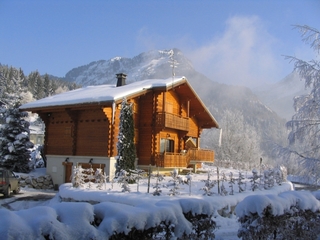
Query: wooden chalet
[82, 126]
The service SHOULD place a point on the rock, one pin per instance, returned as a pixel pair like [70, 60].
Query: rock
[41, 182]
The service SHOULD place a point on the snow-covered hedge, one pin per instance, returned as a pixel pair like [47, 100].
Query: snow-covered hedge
[289, 215]
[107, 220]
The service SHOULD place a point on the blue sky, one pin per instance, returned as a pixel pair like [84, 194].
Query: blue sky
[235, 42]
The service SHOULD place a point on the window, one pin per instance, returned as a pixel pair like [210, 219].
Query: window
[166, 145]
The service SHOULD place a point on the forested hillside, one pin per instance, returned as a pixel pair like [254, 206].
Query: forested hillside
[33, 86]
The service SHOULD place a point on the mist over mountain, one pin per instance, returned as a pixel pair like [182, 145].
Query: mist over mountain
[279, 96]
[217, 97]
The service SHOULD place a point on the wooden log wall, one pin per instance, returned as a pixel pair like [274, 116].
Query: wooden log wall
[193, 128]
[92, 133]
[59, 134]
[146, 135]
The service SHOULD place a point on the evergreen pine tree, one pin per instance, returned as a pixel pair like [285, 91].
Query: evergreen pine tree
[15, 141]
[174, 183]
[125, 145]
[240, 182]
[254, 180]
[231, 183]
[223, 190]
[157, 186]
[209, 184]
[100, 178]
[46, 86]
[78, 176]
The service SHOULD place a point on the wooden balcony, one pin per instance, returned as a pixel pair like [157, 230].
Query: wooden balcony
[182, 160]
[200, 155]
[169, 120]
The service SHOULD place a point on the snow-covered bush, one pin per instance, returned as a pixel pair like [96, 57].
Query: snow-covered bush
[290, 215]
[268, 177]
[209, 184]
[202, 226]
[241, 183]
[174, 183]
[123, 178]
[231, 183]
[157, 186]
[78, 176]
[36, 160]
[100, 178]
[254, 180]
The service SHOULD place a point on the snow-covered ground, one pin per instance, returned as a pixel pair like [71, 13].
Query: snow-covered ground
[28, 219]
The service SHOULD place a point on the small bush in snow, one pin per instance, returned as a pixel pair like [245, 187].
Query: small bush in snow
[100, 178]
[157, 186]
[123, 178]
[174, 183]
[254, 180]
[241, 184]
[268, 178]
[231, 183]
[209, 184]
[78, 176]
[223, 190]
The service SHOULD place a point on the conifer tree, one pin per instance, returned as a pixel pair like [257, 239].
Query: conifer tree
[46, 86]
[15, 142]
[254, 180]
[125, 146]
[14, 131]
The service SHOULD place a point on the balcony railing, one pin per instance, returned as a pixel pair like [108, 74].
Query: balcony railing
[169, 159]
[169, 120]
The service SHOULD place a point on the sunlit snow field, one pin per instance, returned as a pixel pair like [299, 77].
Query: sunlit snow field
[125, 209]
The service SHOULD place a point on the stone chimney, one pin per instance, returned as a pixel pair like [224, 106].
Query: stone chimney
[121, 79]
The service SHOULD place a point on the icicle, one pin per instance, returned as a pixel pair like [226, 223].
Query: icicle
[113, 111]
[220, 137]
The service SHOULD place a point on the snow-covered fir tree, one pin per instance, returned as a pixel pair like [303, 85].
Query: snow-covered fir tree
[241, 183]
[157, 186]
[209, 184]
[174, 183]
[254, 180]
[137, 175]
[268, 177]
[100, 178]
[90, 176]
[15, 142]
[231, 183]
[14, 132]
[125, 146]
[223, 190]
[123, 178]
[78, 176]
[189, 181]
[280, 174]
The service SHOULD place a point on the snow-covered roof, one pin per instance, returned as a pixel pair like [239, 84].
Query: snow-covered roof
[102, 93]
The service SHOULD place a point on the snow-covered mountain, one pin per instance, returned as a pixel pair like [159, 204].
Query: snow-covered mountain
[217, 97]
[279, 96]
[153, 64]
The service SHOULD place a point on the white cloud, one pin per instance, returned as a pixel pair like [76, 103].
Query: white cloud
[241, 55]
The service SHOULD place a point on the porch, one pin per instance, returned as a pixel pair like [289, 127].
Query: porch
[183, 159]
